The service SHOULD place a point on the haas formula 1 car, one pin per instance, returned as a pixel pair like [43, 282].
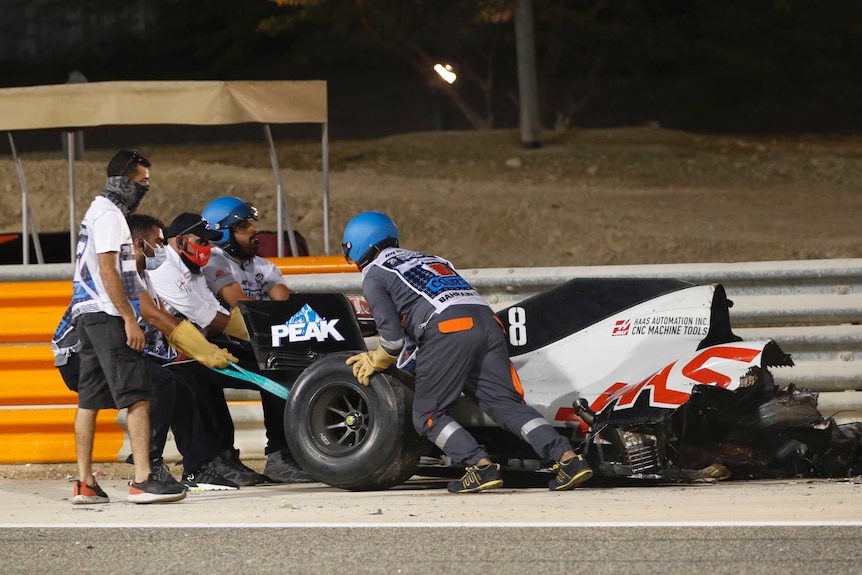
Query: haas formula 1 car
[645, 376]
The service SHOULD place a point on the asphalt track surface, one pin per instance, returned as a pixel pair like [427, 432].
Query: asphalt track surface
[785, 527]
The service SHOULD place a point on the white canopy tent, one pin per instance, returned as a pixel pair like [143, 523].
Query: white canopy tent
[70, 107]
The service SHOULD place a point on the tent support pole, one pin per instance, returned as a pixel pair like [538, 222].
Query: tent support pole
[28, 224]
[70, 149]
[325, 150]
[281, 203]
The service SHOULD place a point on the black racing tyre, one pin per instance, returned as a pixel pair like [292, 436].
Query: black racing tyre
[348, 435]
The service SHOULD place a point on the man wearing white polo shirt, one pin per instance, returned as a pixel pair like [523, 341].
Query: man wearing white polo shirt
[113, 370]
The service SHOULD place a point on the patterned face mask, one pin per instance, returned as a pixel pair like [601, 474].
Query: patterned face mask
[126, 193]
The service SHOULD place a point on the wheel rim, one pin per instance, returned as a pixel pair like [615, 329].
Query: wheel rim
[340, 418]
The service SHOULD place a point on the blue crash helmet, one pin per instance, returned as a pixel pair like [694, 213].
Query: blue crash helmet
[366, 235]
[227, 211]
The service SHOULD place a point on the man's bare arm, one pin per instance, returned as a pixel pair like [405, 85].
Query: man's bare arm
[219, 322]
[114, 288]
[232, 294]
[155, 316]
[279, 292]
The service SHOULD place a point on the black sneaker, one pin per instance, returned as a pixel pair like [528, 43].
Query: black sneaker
[154, 491]
[228, 465]
[281, 467]
[478, 479]
[570, 474]
[163, 473]
[207, 479]
[88, 494]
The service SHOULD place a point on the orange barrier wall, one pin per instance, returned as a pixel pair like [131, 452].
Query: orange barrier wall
[314, 265]
[48, 435]
[37, 411]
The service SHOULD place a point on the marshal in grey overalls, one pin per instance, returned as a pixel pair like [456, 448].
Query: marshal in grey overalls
[462, 348]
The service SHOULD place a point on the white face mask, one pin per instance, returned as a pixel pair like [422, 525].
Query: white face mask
[158, 258]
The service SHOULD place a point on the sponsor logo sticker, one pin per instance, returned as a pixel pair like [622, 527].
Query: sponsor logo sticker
[622, 327]
[305, 325]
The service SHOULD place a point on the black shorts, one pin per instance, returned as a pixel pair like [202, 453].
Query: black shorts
[112, 375]
[69, 371]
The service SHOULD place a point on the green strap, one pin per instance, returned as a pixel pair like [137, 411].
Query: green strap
[233, 370]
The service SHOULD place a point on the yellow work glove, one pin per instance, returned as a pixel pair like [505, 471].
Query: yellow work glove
[367, 364]
[187, 339]
[236, 325]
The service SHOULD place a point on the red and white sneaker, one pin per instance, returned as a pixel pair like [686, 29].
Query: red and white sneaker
[88, 494]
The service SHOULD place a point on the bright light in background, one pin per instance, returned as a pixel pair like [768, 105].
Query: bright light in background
[445, 71]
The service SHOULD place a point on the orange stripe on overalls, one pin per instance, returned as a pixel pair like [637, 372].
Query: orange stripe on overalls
[455, 325]
[516, 381]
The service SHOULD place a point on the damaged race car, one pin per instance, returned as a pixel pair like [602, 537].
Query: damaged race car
[644, 375]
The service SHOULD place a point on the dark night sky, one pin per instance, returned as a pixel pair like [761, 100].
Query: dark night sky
[752, 66]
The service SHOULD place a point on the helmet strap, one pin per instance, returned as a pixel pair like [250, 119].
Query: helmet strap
[371, 253]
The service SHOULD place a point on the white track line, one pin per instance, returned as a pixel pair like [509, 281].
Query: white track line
[491, 525]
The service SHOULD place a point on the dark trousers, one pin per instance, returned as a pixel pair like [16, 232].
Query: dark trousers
[161, 408]
[464, 350]
[176, 407]
[209, 386]
[173, 406]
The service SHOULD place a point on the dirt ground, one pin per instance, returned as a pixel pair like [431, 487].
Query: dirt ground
[587, 197]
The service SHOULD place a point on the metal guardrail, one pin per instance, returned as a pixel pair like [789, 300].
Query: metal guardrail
[812, 308]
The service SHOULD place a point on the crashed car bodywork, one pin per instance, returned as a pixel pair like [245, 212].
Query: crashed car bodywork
[645, 376]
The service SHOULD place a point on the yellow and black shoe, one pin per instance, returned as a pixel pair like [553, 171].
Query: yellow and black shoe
[478, 479]
[570, 474]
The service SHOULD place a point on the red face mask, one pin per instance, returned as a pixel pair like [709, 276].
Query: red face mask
[198, 254]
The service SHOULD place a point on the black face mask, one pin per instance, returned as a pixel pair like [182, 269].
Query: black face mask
[193, 267]
[125, 193]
